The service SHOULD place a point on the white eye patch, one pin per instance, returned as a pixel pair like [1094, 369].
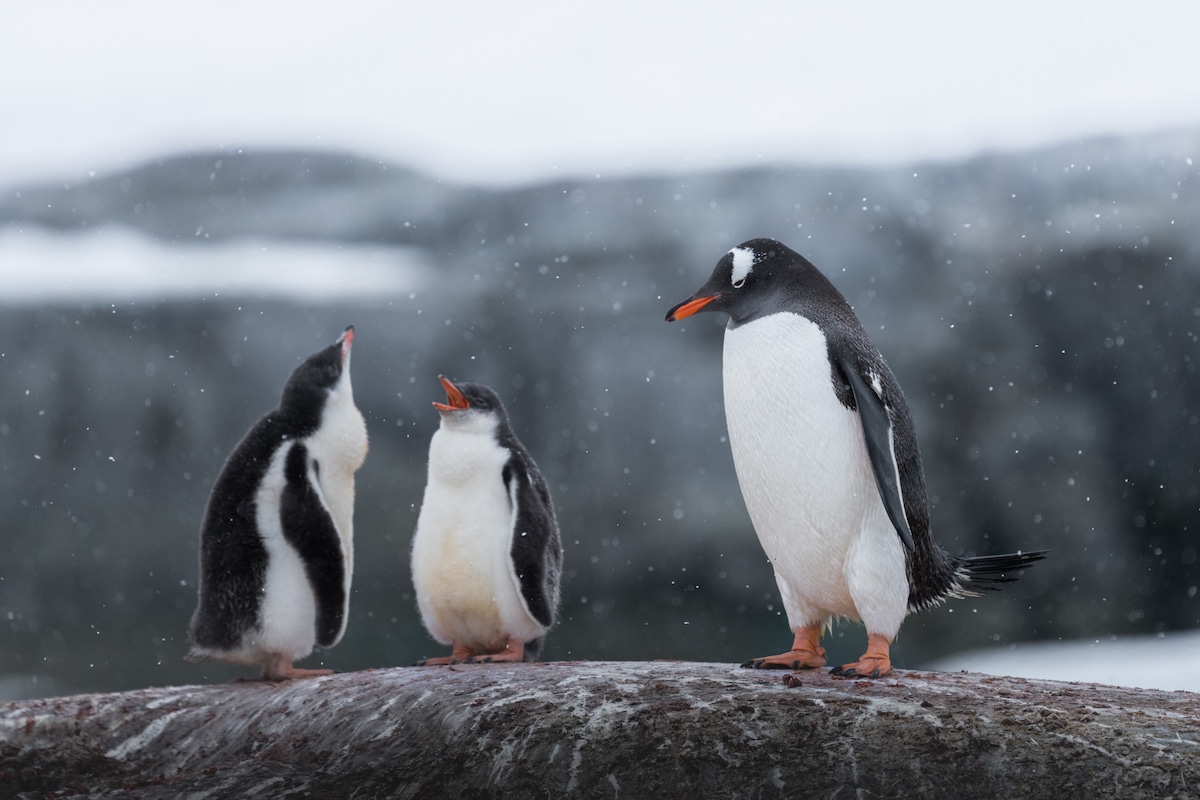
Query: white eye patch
[743, 263]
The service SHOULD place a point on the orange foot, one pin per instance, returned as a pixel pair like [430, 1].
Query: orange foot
[513, 651]
[806, 653]
[281, 669]
[875, 663]
[461, 654]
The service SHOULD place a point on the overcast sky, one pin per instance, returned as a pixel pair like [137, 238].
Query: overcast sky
[505, 92]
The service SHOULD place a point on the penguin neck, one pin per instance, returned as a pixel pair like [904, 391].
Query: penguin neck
[746, 317]
[339, 446]
[342, 425]
[471, 421]
[465, 445]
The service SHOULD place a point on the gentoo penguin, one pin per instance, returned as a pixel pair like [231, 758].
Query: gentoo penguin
[276, 547]
[827, 460]
[486, 556]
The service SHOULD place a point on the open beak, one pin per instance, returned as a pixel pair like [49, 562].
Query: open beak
[689, 307]
[455, 400]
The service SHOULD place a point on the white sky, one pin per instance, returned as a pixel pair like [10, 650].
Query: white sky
[504, 92]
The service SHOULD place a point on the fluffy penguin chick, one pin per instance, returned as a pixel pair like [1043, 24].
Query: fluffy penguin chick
[827, 460]
[486, 556]
[276, 547]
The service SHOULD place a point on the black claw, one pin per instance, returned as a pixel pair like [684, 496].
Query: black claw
[837, 670]
[762, 663]
[423, 662]
[875, 674]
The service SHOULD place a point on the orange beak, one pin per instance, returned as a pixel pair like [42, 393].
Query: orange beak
[455, 400]
[689, 307]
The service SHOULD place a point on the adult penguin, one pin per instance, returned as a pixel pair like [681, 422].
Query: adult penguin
[827, 460]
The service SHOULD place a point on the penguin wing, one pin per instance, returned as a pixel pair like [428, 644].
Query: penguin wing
[309, 528]
[233, 557]
[880, 440]
[232, 571]
[536, 550]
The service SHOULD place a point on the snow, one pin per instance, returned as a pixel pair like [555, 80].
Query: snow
[1170, 662]
[495, 92]
[122, 266]
[138, 742]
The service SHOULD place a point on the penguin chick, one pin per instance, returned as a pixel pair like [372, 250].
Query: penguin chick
[827, 460]
[486, 555]
[276, 546]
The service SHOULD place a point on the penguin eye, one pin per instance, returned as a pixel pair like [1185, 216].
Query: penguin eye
[739, 283]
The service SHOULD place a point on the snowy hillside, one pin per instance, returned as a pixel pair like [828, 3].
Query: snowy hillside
[1039, 309]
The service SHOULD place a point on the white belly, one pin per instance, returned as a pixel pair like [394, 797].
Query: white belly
[289, 609]
[806, 479]
[466, 587]
[340, 446]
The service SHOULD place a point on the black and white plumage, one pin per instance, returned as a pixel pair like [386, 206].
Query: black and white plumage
[827, 459]
[486, 555]
[276, 545]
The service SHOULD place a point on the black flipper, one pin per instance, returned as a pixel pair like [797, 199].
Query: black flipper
[233, 559]
[308, 527]
[877, 425]
[536, 551]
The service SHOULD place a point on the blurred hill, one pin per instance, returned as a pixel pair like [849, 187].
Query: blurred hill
[1040, 309]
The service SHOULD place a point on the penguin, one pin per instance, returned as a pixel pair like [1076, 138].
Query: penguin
[486, 554]
[276, 544]
[827, 460]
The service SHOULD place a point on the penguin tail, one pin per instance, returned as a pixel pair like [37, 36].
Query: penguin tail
[533, 649]
[985, 573]
[197, 656]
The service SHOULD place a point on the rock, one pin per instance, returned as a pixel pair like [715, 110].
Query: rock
[607, 729]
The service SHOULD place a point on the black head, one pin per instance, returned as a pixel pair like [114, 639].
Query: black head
[312, 381]
[462, 398]
[757, 278]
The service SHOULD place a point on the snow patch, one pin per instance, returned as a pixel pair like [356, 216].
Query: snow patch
[166, 701]
[1166, 662]
[148, 735]
[121, 265]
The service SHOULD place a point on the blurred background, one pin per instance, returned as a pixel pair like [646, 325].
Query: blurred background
[192, 202]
